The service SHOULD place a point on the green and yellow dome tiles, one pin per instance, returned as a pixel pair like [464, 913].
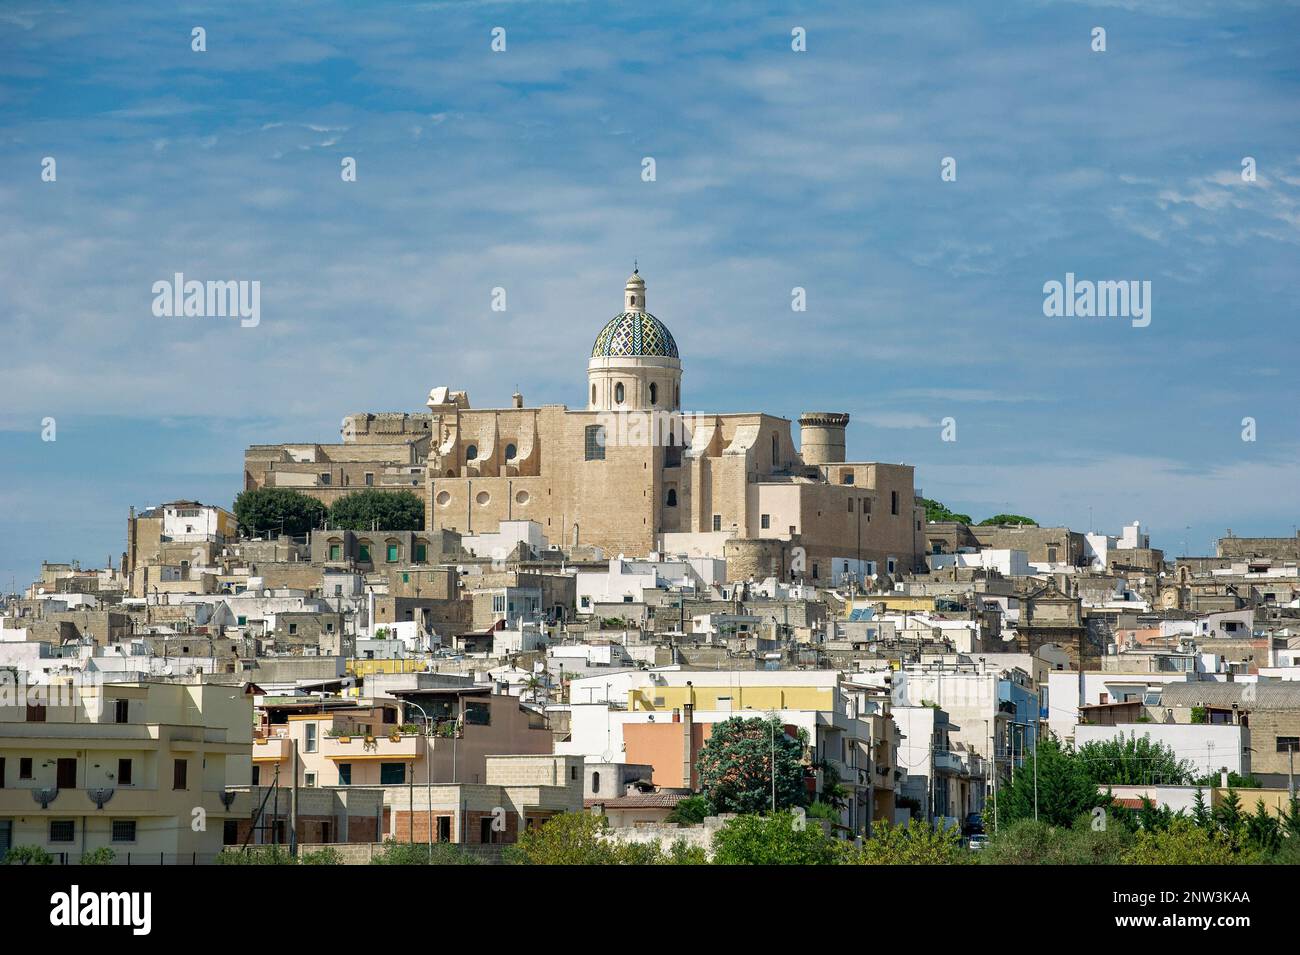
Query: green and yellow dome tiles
[634, 334]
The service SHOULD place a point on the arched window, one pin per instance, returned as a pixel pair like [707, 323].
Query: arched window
[511, 452]
[593, 394]
[654, 392]
[672, 497]
[677, 395]
[595, 782]
[471, 453]
[618, 393]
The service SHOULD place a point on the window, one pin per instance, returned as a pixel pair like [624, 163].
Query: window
[180, 774]
[444, 828]
[478, 713]
[345, 774]
[123, 830]
[672, 498]
[595, 443]
[846, 477]
[499, 603]
[310, 729]
[62, 830]
[893, 502]
[392, 774]
[1288, 743]
[257, 775]
[890, 565]
[363, 553]
[124, 772]
[66, 773]
[573, 772]
[421, 553]
[511, 452]
[24, 767]
[325, 477]
[619, 393]
[593, 394]
[1051, 559]
[309, 780]
[121, 709]
[654, 392]
[392, 553]
[370, 479]
[595, 782]
[765, 521]
[293, 629]
[717, 522]
[35, 713]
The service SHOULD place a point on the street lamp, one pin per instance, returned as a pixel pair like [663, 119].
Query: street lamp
[428, 776]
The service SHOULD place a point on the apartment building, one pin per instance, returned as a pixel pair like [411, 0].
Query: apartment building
[143, 769]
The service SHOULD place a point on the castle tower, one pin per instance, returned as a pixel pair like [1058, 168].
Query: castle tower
[634, 363]
[821, 437]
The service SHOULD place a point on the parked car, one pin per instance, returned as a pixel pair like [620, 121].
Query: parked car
[974, 824]
[977, 841]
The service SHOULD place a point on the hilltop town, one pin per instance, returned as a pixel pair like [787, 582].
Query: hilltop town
[458, 630]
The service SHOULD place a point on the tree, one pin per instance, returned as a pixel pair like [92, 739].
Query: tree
[915, 843]
[1008, 519]
[1263, 830]
[1201, 814]
[266, 510]
[736, 766]
[1065, 790]
[690, 811]
[1183, 843]
[380, 510]
[1132, 761]
[775, 839]
[1228, 814]
[934, 511]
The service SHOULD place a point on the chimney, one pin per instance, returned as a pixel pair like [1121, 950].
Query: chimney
[688, 736]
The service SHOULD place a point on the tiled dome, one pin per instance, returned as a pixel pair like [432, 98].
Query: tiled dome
[632, 334]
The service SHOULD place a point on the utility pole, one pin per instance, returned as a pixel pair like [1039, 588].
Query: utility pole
[293, 807]
[774, 765]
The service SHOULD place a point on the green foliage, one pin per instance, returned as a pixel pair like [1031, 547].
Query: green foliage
[414, 853]
[1199, 715]
[1263, 831]
[383, 510]
[1026, 842]
[1291, 819]
[736, 766]
[1008, 519]
[773, 840]
[326, 856]
[823, 810]
[272, 510]
[690, 811]
[578, 838]
[915, 843]
[1201, 815]
[101, 856]
[1132, 761]
[28, 855]
[1235, 781]
[934, 511]
[255, 855]
[1065, 789]
[1183, 843]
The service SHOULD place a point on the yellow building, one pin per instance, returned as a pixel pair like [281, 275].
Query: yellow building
[139, 768]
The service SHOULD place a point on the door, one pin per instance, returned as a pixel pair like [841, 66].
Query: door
[66, 777]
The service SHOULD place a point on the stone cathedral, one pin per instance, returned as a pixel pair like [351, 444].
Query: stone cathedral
[630, 473]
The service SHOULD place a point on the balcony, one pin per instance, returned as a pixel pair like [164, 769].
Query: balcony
[349, 748]
[946, 762]
[274, 749]
[123, 801]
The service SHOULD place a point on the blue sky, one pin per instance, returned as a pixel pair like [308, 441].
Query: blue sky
[775, 169]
